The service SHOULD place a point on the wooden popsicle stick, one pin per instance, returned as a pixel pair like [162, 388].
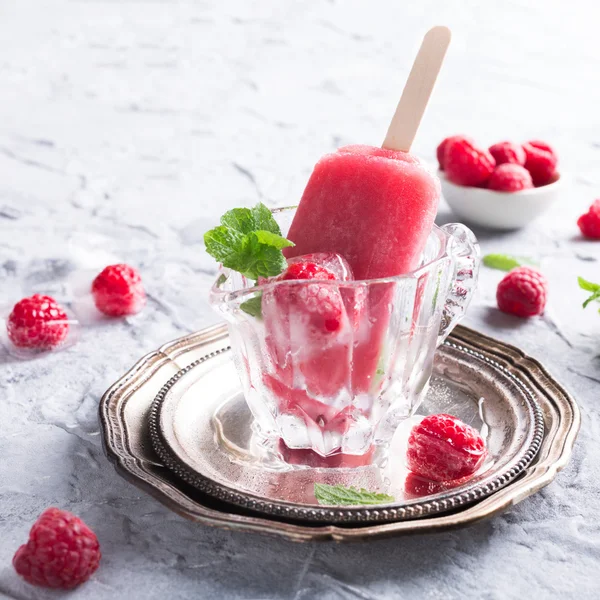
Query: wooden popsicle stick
[417, 90]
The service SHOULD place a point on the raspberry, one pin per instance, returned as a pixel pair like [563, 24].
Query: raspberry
[62, 551]
[541, 162]
[522, 292]
[589, 223]
[118, 291]
[322, 304]
[466, 164]
[304, 324]
[441, 149]
[37, 322]
[510, 178]
[507, 152]
[443, 448]
[306, 270]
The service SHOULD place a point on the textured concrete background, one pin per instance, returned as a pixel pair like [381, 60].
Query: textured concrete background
[128, 127]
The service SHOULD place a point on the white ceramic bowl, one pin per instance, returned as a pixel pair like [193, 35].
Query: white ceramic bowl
[499, 210]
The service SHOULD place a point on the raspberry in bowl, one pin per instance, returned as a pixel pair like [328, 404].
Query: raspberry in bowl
[505, 186]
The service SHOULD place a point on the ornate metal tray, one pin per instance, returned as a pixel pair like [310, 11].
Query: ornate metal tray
[527, 412]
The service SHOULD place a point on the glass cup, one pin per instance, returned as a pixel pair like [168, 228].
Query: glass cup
[329, 386]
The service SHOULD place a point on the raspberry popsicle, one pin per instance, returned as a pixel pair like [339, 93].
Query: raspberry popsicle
[373, 206]
[376, 206]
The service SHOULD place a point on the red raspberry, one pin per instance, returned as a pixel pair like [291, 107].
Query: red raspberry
[306, 270]
[441, 149]
[522, 292]
[510, 178]
[466, 164]
[589, 223]
[443, 448]
[322, 304]
[62, 551]
[507, 152]
[37, 322]
[541, 162]
[118, 291]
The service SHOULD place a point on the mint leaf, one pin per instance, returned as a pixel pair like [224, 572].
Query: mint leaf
[246, 220]
[505, 262]
[263, 219]
[248, 241]
[259, 259]
[587, 285]
[338, 495]
[593, 297]
[272, 239]
[239, 219]
[253, 306]
[224, 244]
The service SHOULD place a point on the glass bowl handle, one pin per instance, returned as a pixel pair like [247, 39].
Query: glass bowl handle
[465, 253]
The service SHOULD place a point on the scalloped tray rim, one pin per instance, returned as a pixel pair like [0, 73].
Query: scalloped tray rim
[557, 443]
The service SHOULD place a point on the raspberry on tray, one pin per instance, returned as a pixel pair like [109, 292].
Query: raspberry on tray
[442, 448]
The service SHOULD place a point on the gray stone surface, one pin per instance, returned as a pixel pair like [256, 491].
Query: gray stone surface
[127, 127]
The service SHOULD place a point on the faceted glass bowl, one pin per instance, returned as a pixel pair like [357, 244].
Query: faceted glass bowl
[334, 395]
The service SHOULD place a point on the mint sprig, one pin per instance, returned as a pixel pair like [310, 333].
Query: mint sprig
[339, 495]
[248, 241]
[588, 286]
[253, 307]
[506, 262]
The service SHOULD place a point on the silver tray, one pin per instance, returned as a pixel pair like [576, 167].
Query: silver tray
[519, 390]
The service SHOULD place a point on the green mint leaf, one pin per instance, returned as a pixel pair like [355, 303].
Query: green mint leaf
[253, 306]
[246, 220]
[503, 262]
[272, 239]
[239, 219]
[224, 244]
[593, 297]
[258, 259]
[587, 285]
[248, 241]
[338, 495]
[264, 220]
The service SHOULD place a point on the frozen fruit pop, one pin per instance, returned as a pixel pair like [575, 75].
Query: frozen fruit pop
[376, 206]
[373, 206]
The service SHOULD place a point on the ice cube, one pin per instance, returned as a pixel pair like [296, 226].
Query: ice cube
[335, 263]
